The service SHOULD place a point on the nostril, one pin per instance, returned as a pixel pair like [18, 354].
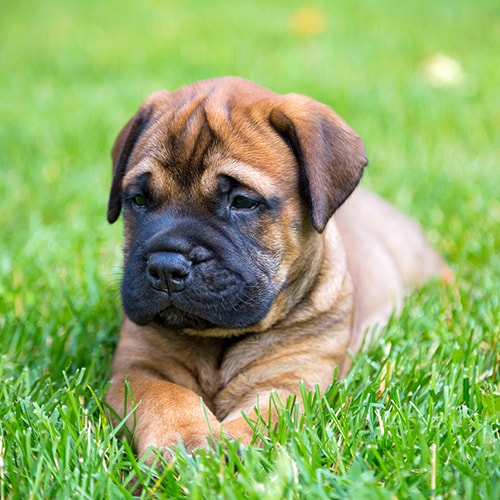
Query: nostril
[178, 275]
[154, 274]
[156, 280]
[167, 271]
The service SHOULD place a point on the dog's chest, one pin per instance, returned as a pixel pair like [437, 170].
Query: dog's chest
[213, 363]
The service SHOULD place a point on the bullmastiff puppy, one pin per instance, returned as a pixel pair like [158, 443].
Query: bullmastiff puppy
[251, 260]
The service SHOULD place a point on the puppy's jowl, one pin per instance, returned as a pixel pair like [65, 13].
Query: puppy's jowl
[252, 262]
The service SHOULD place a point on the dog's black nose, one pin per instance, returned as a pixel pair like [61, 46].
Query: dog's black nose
[167, 271]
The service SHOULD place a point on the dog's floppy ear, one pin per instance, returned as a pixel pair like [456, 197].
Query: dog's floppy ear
[330, 154]
[125, 143]
[122, 149]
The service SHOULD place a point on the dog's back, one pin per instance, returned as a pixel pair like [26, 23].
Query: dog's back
[387, 254]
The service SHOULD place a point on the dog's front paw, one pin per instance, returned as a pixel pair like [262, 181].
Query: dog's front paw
[191, 438]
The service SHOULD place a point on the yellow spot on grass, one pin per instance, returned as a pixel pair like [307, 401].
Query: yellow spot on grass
[308, 21]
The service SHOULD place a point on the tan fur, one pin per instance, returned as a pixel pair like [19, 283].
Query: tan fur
[337, 276]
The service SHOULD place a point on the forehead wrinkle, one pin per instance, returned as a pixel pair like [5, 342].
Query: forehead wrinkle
[143, 167]
[244, 174]
[150, 166]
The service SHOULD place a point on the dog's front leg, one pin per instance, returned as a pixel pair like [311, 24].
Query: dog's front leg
[248, 424]
[161, 413]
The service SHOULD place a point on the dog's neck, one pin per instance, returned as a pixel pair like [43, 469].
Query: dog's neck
[328, 283]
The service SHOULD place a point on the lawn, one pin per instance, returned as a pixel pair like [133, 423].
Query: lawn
[418, 416]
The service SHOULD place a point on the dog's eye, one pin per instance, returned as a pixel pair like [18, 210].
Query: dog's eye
[139, 200]
[243, 203]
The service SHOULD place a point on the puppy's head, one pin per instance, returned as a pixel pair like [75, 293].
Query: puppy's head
[225, 188]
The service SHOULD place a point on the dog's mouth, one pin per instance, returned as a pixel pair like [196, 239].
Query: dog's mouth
[182, 290]
[180, 311]
[176, 319]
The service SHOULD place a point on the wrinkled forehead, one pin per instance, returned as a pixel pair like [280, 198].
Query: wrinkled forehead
[162, 180]
[182, 149]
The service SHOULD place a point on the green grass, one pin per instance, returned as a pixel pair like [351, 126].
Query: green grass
[418, 416]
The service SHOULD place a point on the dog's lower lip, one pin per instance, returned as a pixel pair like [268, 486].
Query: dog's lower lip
[183, 320]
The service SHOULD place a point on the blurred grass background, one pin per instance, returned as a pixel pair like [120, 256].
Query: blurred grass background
[419, 81]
